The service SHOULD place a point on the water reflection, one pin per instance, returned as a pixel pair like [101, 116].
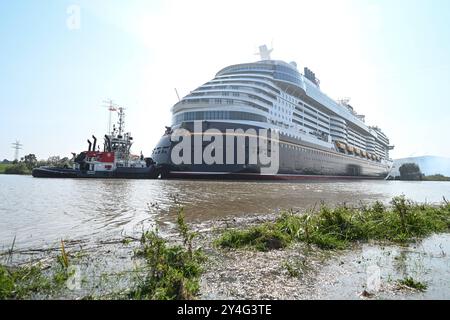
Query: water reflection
[41, 211]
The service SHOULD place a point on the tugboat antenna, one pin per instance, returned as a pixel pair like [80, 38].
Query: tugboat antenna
[111, 108]
[121, 120]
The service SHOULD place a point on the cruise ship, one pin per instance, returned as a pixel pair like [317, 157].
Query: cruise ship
[318, 137]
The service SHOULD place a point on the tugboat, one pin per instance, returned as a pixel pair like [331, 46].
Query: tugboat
[115, 161]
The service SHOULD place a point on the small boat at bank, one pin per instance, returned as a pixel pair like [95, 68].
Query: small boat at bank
[115, 161]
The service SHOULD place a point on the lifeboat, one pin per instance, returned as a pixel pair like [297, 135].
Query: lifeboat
[340, 145]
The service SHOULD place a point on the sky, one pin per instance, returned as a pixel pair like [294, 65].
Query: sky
[59, 60]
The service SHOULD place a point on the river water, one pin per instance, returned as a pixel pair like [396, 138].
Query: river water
[40, 212]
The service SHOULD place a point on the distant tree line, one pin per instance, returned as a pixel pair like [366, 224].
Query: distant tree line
[27, 163]
[412, 172]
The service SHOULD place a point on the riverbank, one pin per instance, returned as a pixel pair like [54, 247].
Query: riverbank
[111, 269]
[3, 167]
[436, 177]
[19, 168]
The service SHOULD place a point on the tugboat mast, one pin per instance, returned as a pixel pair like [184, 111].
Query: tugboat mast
[111, 108]
[121, 120]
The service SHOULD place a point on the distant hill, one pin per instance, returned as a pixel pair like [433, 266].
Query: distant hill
[429, 165]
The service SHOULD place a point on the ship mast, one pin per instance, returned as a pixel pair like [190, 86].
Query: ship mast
[121, 120]
[111, 108]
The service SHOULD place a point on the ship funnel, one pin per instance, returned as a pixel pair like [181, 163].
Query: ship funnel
[108, 143]
[90, 144]
[95, 142]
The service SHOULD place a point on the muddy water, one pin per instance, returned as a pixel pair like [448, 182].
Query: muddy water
[39, 212]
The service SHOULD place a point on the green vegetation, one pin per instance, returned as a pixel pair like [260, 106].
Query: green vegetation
[336, 228]
[436, 177]
[171, 272]
[413, 284]
[296, 268]
[18, 168]
[4, 166]
[410, 171]
[263, 238]
[21, 282]
[62, 273]
[29, 162]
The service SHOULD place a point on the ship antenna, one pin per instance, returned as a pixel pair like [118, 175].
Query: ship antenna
[264, 52]
[178, 96]
[111, 108]
[16, 146]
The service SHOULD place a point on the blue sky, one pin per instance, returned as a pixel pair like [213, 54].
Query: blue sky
[392, 57]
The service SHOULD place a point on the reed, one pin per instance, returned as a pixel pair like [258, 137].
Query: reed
[411, 283]
[402, 222]
[172, 272]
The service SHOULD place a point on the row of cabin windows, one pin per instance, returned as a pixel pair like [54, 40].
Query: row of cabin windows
[207, 89]
[228, 93]
[234, 80]
[224, 101]
[218, 115]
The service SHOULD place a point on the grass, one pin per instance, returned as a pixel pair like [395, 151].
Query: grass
[24, 281]
[171, 272]
[413, 284]
[296, 268]
[337, 228]
[263, 238]
[436, 177]
[21, 282]
[3, 167]
[19, 168]
[62, 272]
